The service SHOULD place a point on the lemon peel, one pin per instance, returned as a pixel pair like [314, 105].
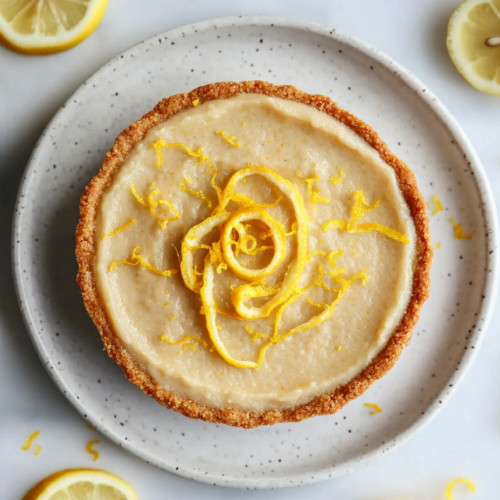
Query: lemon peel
[152, 204]
[459, 231]
[27, 445]
[376, 408]
[38, 450]
[244, 292]
[358, 210]
[137, 259]
[119, 229]
[277, 234]
[336, 180]
[449, 489]
[197, 153]
[91, 451]
[230, 140]
[315, 197]
[438, 207]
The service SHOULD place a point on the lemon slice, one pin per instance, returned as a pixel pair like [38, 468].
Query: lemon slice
[40, 27]
[473, 43]
[81, 484]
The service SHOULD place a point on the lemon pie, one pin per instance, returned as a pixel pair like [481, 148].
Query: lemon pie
[252, 254]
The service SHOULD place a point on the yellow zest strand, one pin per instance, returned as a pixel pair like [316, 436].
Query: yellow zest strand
[449, 489]
[196, 194]
[26, 446]
[137, 259]
[437, 205]
[197, 153]
[38, 450]
[152, 204]
[244, 124]
[230, 140]
[254, 334]
[196, 102]
[359, 209]
[187, 179]
[315, 197]
[335, 254]
[375, 406]
[339, 348]
[291, 233]
[336, 180]
[119, 229]
[459, 231]
[438, 245]
[91, 451]
[187, 342]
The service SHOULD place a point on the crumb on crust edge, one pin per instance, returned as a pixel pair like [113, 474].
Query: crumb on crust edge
[321, 405]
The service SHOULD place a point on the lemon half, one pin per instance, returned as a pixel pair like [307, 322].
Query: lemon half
[473, 43]
[41, 27]
[81, 484]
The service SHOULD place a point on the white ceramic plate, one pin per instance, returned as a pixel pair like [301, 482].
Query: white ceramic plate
[318, 60]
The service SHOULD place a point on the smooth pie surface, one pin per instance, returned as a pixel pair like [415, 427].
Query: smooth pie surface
[298, 143]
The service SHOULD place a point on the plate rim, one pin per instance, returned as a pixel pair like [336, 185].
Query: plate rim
[492, 261]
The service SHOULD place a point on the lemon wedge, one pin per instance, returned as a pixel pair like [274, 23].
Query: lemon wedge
[473, 43]
[81, 484]
[39, 27]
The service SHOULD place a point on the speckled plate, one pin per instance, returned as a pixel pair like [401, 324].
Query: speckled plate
[318, 60]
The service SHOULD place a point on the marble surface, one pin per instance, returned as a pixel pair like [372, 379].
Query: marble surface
[462, 441]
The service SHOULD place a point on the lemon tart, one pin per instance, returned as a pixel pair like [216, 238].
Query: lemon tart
[253, 254]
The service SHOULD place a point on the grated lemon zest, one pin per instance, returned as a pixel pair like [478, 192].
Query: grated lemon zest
[459, 231]
[137, 259]
[438, 207]
[186, 342]
[38, 450]
[197, 153]
[230, 140]
[91, 451]
[196, 194]
[339, 348]
[119, 229]
[359, 209]
[187, 179]
[152, 204]
[244, 124]
[196, 102]
[315, 197]
[27, 445]
[336, 180]
[449, 489]
[375, 406]
[254, 334]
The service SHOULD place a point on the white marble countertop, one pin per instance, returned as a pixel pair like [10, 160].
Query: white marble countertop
[464, 440]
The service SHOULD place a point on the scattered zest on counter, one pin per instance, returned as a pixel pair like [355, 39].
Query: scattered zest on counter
[459, 231]
[26, 446]
[375, 406]
[91, 451]
[449, 489]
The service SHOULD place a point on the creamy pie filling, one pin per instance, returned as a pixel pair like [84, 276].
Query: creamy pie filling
[333, 169]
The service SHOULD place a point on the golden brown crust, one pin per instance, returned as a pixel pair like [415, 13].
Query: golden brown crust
[321, 405]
